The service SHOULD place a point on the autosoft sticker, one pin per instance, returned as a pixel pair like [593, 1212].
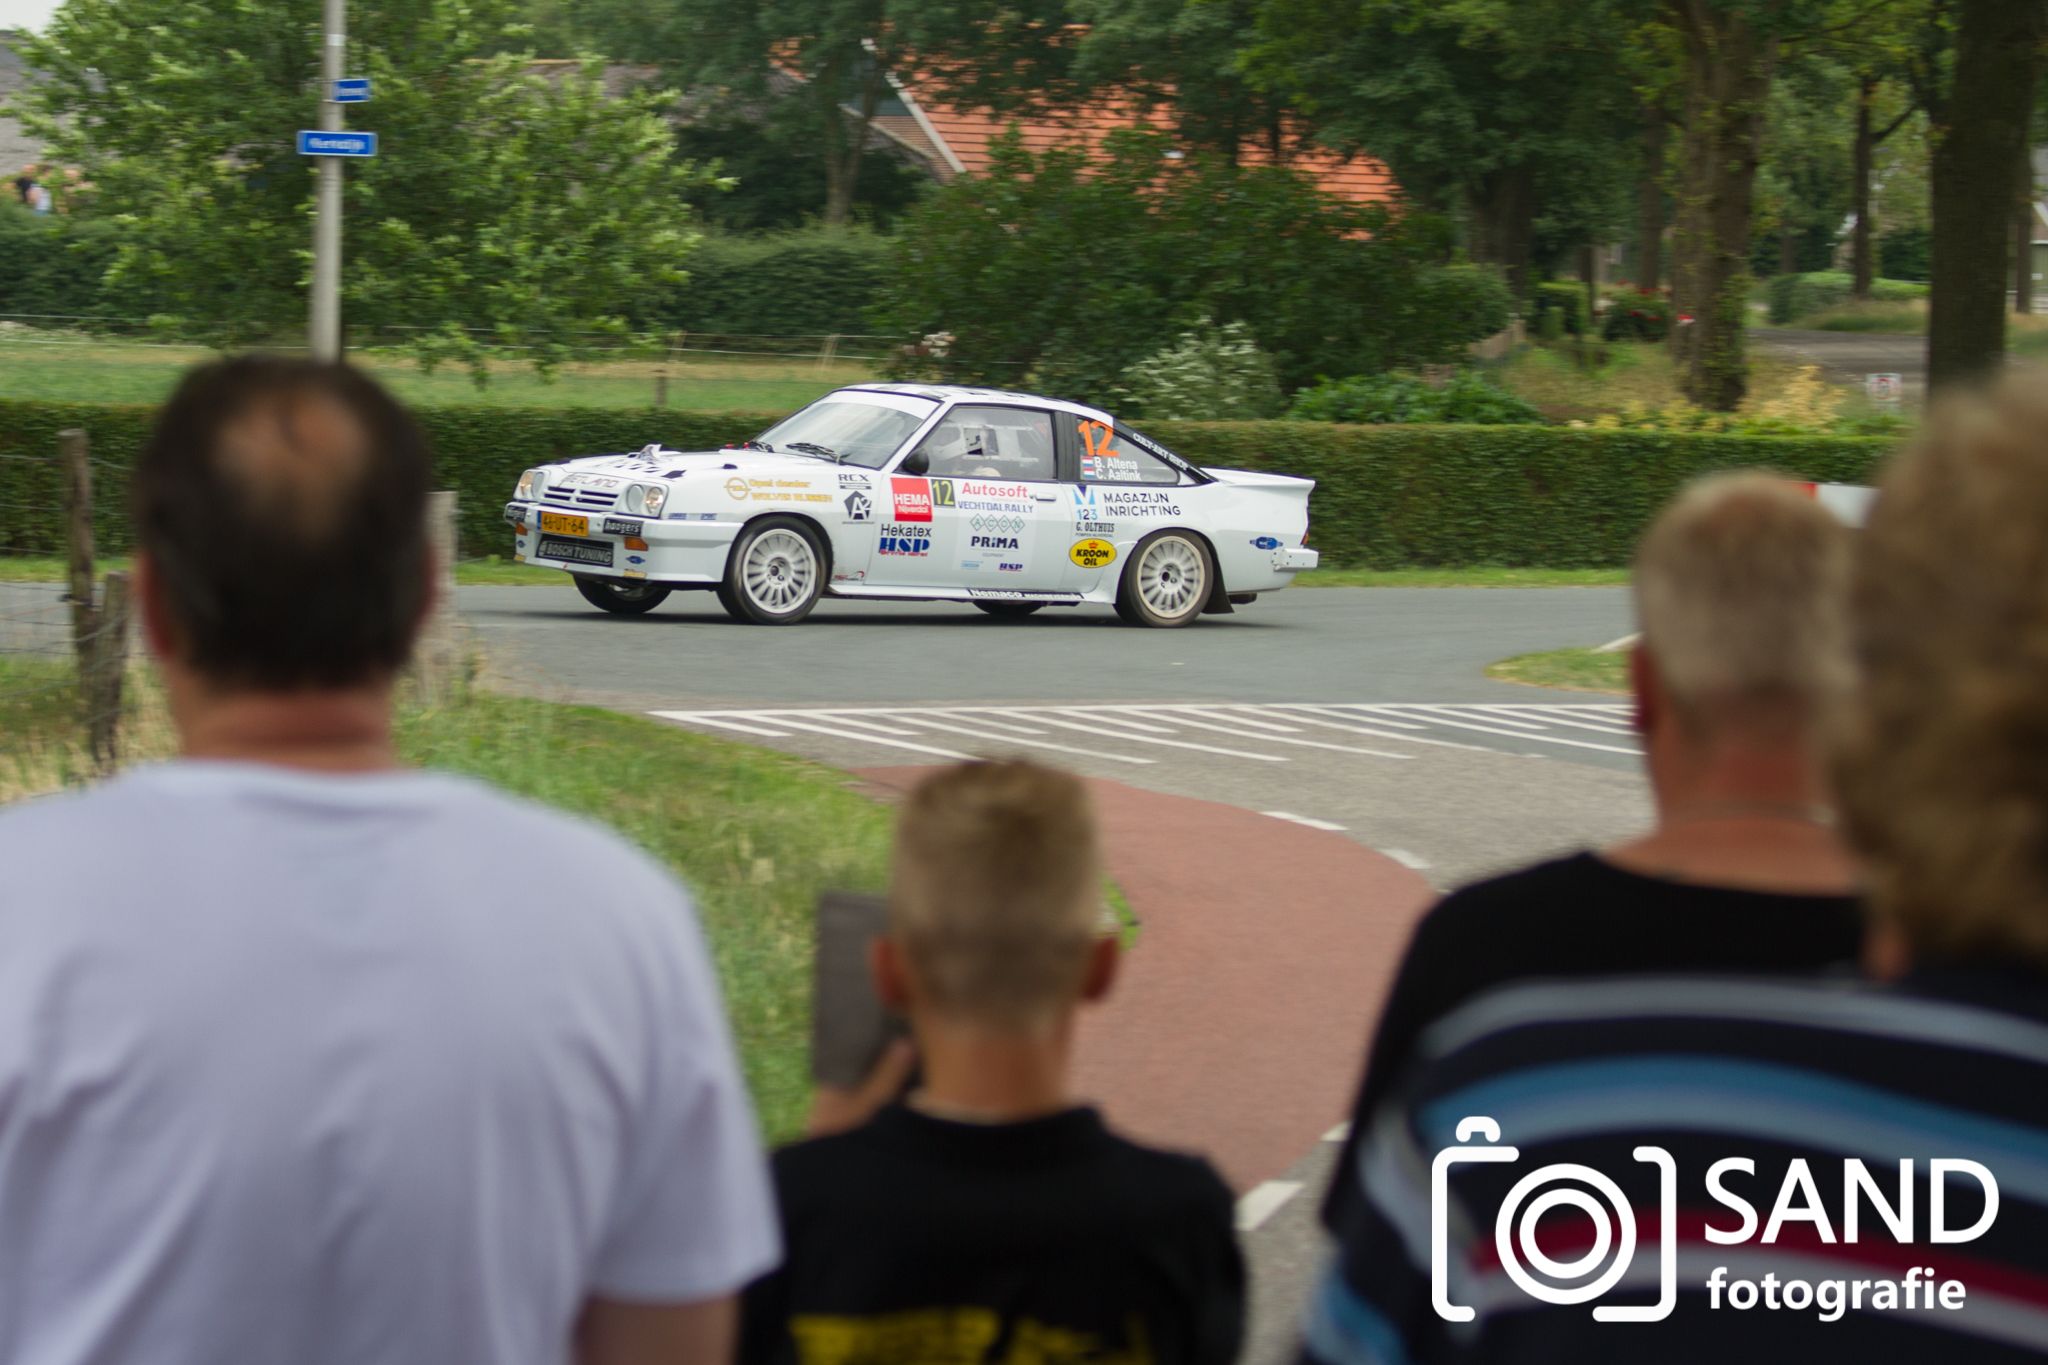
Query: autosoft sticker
[1092, 554]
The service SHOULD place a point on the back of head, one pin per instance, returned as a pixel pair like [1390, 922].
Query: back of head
[1740, 586]
[1942, 758]
[282, 506]
[996, 893]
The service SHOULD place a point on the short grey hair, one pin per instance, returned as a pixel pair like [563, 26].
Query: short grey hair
[1741, 588]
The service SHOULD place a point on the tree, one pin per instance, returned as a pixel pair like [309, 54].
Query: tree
[844, 52]
[1187, 57]
[501, 208]
[1979, 100]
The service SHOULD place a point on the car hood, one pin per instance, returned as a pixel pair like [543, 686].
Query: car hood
[655, 463]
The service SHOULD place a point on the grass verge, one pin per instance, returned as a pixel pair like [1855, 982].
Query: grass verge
[1462, 578]
[756, 834]
[1579, 670]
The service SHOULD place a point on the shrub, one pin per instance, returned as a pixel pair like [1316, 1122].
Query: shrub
[1214, 374]
[1387, 497]
[1806, 405]
[1906, 254]
[1638, 315]
[1565, 303]
[1799, 296]
[52, 265]
[808, 282]
[1467, 397]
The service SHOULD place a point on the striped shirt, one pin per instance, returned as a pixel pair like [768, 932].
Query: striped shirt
[1772, 1146]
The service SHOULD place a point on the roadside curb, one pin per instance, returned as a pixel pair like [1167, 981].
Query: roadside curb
[1238, 1024]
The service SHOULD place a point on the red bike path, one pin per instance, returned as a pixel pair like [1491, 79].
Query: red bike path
[1239, 1019]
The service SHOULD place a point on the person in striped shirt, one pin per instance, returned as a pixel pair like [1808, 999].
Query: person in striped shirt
[1711, 1169]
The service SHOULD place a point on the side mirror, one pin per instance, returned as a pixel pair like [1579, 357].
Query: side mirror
[917, 462]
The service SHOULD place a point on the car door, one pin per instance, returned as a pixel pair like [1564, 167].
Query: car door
[987, 513]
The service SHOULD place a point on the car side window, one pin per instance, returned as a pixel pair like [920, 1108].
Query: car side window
[1108, 456]
[987, 442]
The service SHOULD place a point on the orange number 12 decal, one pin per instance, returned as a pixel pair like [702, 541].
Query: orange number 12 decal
[1096, 438]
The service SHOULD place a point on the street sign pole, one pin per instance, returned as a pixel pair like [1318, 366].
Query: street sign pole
[325, 331]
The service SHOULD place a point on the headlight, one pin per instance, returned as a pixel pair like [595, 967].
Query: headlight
[635, 499]
[656, 496]
[532, 484]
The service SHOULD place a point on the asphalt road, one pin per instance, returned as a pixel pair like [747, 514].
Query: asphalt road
[1364, 711]
[1846, 357]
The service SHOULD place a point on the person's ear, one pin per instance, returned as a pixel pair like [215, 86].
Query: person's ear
[891, 974]
[158, 635]
[1103, 959]
[1643, 684]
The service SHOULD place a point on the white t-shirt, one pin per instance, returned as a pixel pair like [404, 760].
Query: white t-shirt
[370, 1068]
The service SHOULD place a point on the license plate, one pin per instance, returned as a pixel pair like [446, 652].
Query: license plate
[597, 552]
[566, 524]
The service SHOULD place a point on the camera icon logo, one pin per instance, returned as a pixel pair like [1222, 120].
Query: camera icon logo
[1565, 1282]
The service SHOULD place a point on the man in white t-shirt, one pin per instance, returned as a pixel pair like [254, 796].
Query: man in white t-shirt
[308, 1058]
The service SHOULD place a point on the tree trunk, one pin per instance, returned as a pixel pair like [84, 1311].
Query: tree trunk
[1862, 268]
[1504, 221]
[1977, 139]
[846, 140]
[1650, 201]
[1727, 81]
[2023, 235]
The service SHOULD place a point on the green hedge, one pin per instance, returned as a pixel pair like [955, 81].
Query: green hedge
[1387, 496]
[1801, 296]
[806, 282]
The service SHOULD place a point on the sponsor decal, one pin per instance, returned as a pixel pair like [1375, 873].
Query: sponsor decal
[859, 507]
[970, 563]
[849, 479]
[736, 489]
[590, 481]
[913, 541]
[1111, 468]
[942, 493]
[1021, 595]
[1092, 554]
[635, 559]
[997, 525]
[1094, 528]
[912, 498]
[618, 526]
[854, 577]
[1013, 492]
[992, 543]
[1010, 568]
[775, 490]
[1265, 543]
[1131, 503]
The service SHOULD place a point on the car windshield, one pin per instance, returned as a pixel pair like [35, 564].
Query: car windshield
[865, 431]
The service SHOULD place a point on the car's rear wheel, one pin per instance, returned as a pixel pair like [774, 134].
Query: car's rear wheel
[1010, 611]
[776, 573]
[1167, 581]
[621, 596]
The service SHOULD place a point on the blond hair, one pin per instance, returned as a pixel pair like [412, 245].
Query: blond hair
[996, 891]
[1942, 756]
[1740, 585]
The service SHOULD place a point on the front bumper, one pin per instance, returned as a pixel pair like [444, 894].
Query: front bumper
[684, 547]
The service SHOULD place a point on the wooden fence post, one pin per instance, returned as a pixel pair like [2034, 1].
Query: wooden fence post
[102, 673]
[74, 452]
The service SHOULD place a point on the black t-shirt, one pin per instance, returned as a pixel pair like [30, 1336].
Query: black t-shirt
[1053, 1240]
[1584, 916]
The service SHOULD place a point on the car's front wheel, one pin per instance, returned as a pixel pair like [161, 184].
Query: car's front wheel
[1167, 581]
[776, 573]
[621, 597]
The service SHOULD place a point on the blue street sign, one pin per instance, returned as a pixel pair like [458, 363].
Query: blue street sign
[352, 90]
[315, 143]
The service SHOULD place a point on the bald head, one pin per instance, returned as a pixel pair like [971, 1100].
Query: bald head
[282, 505]
[1740, 587]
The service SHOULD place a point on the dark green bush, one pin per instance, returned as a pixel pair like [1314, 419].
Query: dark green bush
[1466, 397]
[1800, 296]
[1637, 315]
[1564, 301]
[1387, 496]
[52, 264]
[807, 282]
[1906, 254]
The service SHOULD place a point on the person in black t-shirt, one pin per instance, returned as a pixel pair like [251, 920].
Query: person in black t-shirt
[1740, 591]
[985, 1217]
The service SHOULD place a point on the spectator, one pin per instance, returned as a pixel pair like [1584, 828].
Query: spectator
[1944, 781]
[39, 200]
[25, 182]
[305, 1057]
[1739, 586]
[987, 1217]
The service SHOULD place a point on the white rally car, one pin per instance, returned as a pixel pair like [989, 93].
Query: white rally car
[912, 492]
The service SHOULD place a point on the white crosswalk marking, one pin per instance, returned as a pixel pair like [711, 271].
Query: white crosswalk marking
[1137, 733]
[1262, 1201]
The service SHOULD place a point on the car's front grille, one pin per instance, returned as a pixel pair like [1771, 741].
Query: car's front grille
[581, 497]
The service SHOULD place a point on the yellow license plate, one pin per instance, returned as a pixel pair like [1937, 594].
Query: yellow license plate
[564, 524]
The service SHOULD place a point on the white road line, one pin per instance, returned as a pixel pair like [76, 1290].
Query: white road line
[1170, 743]
[1338, 1134]
[1182, 714]
[928, 722]
[841, 732]
[1407, 859]
[1604, 727]
[1498, 720]
[1229, 711]
[1385, 734]
[1121, 719]
[1539, 739]
[1302, 820]
[693, 718]
[1375, 712]
[1262, 1201]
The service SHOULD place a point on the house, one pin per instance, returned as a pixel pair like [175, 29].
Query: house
[2040, 244]
[17, 148]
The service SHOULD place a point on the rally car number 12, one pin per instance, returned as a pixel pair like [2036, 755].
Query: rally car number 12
[909, 492]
